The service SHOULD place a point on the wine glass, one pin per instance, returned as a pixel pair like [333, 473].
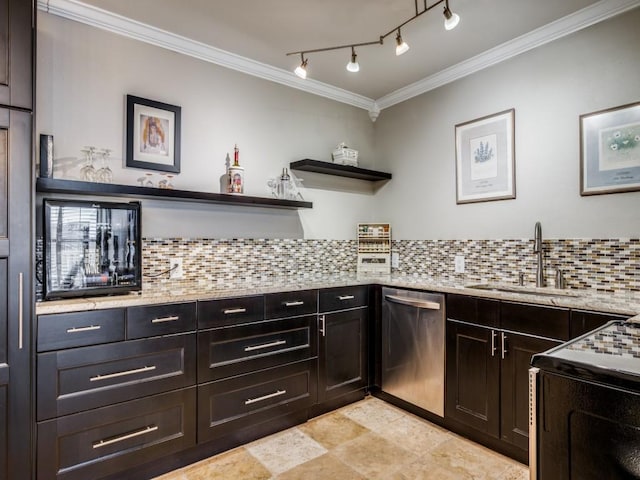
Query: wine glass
[104, 174]
[88, 171]
[149, 181]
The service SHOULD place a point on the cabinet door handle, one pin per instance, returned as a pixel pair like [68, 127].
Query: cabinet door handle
[172, 318]
[122, 374]
[277, 393]
[346, 297]
[265, 345]
[322, 325]
[295, 303]
[230, 311]
[504, 345]
[83, 329]
[121, 438]
[493, 343]
[20, 309]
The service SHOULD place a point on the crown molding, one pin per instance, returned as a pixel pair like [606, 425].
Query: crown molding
[111, 22]
[564, 26]
[118, 24]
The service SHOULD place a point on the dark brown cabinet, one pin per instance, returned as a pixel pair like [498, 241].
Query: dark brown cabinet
[489, 350]
[343, 343]
[16, 47]
[15, 290]
[514, 382]
[257, 364]
[473, 377]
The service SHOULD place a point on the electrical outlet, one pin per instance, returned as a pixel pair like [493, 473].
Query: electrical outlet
[175, 264]
[395, 260]
[458, 263]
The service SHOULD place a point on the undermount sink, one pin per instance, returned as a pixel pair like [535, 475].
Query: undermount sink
[542, 291]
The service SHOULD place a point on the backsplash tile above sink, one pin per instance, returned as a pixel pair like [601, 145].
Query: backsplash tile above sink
[609, 265]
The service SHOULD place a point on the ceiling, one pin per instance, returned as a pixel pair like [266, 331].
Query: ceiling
[264, 31]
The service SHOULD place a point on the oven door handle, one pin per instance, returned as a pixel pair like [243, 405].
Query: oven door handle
[413, 302]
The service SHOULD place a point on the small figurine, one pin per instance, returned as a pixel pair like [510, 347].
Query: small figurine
[236, 174]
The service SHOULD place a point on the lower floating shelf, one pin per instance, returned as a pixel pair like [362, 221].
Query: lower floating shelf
[74, 187]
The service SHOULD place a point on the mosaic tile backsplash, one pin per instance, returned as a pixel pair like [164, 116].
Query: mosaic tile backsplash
[604, 264]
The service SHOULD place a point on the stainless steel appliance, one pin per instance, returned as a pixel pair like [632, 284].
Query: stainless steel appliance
[91, 248]
[585, 407]
[413, 359]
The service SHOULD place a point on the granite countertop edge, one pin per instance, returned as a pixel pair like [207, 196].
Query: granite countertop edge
[627, 303]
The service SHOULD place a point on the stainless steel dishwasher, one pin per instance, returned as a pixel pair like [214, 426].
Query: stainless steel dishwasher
[413, 347]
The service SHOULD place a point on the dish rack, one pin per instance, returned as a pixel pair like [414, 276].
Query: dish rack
[374, 248]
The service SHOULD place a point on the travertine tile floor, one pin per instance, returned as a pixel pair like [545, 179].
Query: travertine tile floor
[369, 440]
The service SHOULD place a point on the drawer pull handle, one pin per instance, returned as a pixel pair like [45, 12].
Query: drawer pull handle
[230, 311]
[346, 297]
[173, 318]
[277, 393]
[137, 433]
[122, 374]
[83, 329]
[251, 348]
[296, 303]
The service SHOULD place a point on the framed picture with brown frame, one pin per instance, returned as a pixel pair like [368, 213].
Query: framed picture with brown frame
[610, 150]
[485, 158]
[153, 135]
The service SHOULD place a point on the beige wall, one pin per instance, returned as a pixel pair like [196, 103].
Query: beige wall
[549, 88]
[84, 75]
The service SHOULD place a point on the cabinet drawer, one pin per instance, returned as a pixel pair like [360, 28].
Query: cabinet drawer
[341, 298]
[481, 311]
[65, 330]
[584, 321]
[153, 320]
[230, 311]
[535, 320]
[226, 406]
[73, 380]
[113, 439]
[291, 304]
[233, 351]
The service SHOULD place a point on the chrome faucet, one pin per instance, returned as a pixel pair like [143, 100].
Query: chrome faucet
[537, 249]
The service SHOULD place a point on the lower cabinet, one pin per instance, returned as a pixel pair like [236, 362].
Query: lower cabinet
[487, 379]
[107, 440]
[343, 353]
[228, 406]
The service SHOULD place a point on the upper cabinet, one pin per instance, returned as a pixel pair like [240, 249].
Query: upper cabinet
[16, 53]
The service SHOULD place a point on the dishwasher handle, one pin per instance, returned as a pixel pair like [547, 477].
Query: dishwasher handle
[413, 302]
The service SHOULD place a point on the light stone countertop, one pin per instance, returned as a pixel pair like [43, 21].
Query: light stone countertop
[627, 303]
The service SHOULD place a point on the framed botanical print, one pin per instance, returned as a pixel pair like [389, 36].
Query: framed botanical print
[610, 150]
[153, 135]
[485, 158]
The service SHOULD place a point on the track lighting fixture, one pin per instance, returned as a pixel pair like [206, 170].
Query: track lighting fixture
[401, 45]
[301, 70]
[450, 19]
[353, 65]
[450, 22]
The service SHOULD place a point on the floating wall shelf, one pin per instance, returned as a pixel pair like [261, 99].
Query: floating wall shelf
[308, 165]
[74, 187]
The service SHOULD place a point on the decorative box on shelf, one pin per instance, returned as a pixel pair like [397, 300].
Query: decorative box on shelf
[344, 155]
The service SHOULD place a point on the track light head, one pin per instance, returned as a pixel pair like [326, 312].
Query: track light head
[451, 19]
[353, 65]
[401, 45]
[301, 70]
